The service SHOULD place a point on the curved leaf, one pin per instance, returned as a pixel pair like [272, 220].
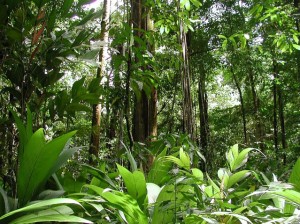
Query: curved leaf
[37, 162]
[135, 183]
[41, 205]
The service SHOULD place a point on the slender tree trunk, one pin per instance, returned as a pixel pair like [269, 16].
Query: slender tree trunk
[139, 121]
[282, 123]
[203, 109]
[96, 118]
[258, 125]
[204, 125]
[152, 102]
[242, 105]
[187, 107]
[275, 123]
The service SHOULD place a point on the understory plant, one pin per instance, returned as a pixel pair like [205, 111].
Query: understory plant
[38, 161]
[187, 195]
[174, 190]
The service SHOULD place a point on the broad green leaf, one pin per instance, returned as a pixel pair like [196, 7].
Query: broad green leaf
[241, 159]
[74, 107]
[41, 205]
[290, 195]
[213, 190]
[296, 46]
[197, 173]
[49, 194]
[133, 164]
[78, 87]
[224, 177]
[237, 177]
[243, 41]
[164, 207]
[14, 34]
[295, 175]
[97, 207]
[82, 36]
[52, 218]
[184, 157]
[236, 159]
[94, 85]
[37, 163]
[66, 6]
[159, 172]
[175, 160]
[182, 3]
[222, 37]
[296, 39]
[96, 189]
[295, 180]
[126, 204]
[100, 175]
[187, 5]
[135, 184]
[224, 44]
[62, 210]
[231, 38]
[63, 157]
[194, 219]
[254, 9]
[196, 3]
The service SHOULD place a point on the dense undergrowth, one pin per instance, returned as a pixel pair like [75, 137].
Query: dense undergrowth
[174, 190]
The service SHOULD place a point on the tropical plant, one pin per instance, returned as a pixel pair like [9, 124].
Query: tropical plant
[38, 161]
[188, 195]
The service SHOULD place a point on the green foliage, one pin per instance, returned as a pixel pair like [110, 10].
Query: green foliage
[47, 210]
[190, 197]
[135, 184]
[38, 162]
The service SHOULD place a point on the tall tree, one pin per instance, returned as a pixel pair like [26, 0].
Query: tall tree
[187, 106]
[96, 117]
[145, 107]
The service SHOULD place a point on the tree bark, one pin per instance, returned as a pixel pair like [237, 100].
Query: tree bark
[275, 123]
[282, 123]
[258, 125]
[145, 110]
[242, 105]
[187, 107]
[96, 117]
[203, 109]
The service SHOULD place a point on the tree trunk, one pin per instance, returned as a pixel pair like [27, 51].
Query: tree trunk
[187, 107]
[204, 126]
[282, 123]
[242, 105]
[145, 110]
[275, 123]
[258, 125]
[96, 118]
